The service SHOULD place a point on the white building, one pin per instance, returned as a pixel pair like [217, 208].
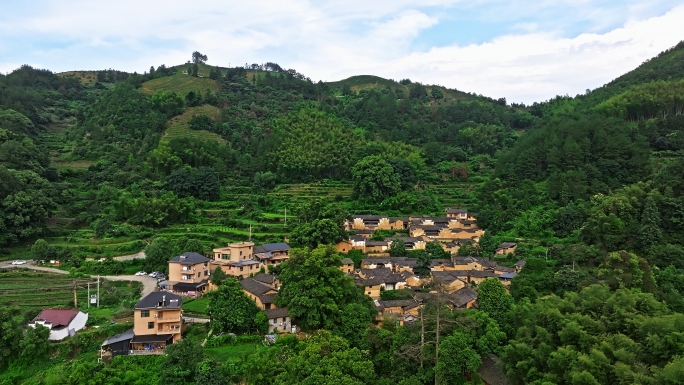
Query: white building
[61, 322]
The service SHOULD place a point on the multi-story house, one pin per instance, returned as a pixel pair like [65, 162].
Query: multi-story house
[243, 259]
[189, 274]
[157, 320]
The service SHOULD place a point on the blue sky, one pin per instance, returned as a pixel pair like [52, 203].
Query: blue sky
[522, 50]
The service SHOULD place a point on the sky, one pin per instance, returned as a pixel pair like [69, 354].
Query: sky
[522, 50]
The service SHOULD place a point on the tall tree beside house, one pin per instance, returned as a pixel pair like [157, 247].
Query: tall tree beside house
[218, 276]
[231, 310]
[180, 365]
[10, 333]
[494, 300]
[315, 290]
[375, 180]
[398, 248]
[158, 254]
[318, 232]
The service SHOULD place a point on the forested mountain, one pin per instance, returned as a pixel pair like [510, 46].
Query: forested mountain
[591, 188]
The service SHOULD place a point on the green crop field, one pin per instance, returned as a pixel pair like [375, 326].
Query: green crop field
[180, 83]
[178, 126]
[198, 306]
[223, 353]
[28, 289]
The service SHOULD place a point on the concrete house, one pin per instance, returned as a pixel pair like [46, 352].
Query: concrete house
[189, 274]
[157, 320]
[61, 322]
[242, 259]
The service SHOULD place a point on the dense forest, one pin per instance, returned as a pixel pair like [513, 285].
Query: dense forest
[186, 158]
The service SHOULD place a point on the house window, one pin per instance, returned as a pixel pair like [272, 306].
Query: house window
[225, 256]
[144, 313]
[241, 268]
[206, 264]
[150, 325]
[241, 253]
[199, 274]
[206, 273]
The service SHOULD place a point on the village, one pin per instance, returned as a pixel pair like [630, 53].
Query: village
[158, 318]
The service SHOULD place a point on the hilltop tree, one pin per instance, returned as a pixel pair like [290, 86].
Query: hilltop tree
[197, 59]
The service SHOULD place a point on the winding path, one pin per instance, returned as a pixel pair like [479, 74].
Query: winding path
[149, 283]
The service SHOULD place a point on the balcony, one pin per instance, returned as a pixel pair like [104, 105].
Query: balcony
[169, 319]
[173, 330]
[146, 352]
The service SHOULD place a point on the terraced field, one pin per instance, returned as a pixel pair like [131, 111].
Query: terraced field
[178, 126]
[38, 290]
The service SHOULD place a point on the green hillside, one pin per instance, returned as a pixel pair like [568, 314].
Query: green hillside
[590, 189]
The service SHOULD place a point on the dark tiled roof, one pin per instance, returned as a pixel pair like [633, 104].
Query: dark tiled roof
[357, 237]
[244, 262]
[277, 313]
[376, 243]
[506, 245]
[281, 246]
[267, 298]
[438, 262]
[482, 274]
[57, 317]
[520, 263]
[255, 287]
[404, 261]
[403, 303]
[127, 335]
[504, 269]
[347, 261]
[265, 278]
[463, 296]
[370, 281]
[186, 286]
[155, 298]
[491, 371]
[190, 258]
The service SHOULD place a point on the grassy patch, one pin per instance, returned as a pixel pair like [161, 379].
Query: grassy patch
[178, 126]
[85, 77]
[224, 353]
[180, 83]
[198, 306]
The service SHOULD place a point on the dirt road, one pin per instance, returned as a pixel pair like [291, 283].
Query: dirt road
[149, 283]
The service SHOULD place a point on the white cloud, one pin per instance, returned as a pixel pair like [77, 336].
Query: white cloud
[330, 40]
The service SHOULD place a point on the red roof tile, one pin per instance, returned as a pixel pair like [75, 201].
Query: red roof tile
[57, 317]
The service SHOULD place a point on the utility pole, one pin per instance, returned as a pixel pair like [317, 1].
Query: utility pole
[250, 232]
[285, 216]
[98, 291]
[88, 300]
[74, 287]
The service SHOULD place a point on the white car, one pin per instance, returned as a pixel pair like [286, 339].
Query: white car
[18, 262]
[141, 273]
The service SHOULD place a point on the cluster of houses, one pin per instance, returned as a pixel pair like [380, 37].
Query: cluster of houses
[451, 231]
[158, 318]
